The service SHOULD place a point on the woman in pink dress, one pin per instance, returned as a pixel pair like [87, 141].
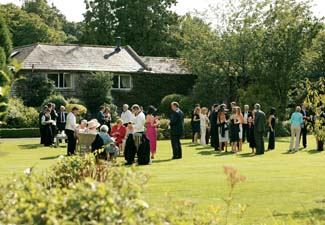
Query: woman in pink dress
[151, 131]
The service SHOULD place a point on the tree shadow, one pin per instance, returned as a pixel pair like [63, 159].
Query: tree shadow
[30, 146]
[50, 157]
[211, 152]
[223, 153]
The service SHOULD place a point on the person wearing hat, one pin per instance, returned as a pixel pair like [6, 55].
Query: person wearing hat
[70, 128]
[151, 131]
[92, 126]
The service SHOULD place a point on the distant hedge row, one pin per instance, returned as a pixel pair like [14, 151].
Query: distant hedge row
[19, 132]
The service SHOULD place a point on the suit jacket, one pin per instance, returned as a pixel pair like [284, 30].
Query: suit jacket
[59, 118]
[259, 121]
[177, 122]
[213, 121]
[101, 117]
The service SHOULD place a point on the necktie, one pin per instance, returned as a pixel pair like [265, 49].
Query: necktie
[62, 117]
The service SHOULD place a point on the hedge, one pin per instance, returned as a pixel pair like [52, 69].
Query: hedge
[19, 132]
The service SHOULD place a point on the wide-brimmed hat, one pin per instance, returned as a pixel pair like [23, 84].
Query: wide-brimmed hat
[93, 123]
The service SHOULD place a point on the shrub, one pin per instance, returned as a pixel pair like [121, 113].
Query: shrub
[96, 90]
[20, 116]
[57, 99]
[187, 106]
[165, 103]
[164, 131]
[282, 129]
[82, 109]
[75, 101]
[33, 89]
[19, 132]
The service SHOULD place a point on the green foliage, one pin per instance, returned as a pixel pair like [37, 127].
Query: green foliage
[3, 59]
[20, 116]
[57, 99]
[19, 132]
[164, 107]
[164, 131]
[133, 21]
[157, 85]
[187, 105]
[34, 88]
[82, 109]
[5, 40]
[96, 90]
[75, 101]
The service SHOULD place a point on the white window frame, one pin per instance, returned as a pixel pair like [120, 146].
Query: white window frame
[57, 86]
[119, 82]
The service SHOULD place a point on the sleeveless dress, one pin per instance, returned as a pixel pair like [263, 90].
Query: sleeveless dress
[234, 131]
[151, 133]
[272, 135]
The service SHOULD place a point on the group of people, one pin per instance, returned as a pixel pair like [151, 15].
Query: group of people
[222, 126]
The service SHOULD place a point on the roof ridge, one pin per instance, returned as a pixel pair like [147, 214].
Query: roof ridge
[68, 44]
[133, 53]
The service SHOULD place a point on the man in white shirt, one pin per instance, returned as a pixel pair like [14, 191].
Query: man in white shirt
[138, 122]
[126, 115]
[71, 125]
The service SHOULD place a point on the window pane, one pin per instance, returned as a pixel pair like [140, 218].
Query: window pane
[67, 81]
[61, 80]
[125, 82]
[55, 78]
[115, 81]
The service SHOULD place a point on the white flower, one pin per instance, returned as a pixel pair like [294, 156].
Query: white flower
[27, 171]
[61, 157]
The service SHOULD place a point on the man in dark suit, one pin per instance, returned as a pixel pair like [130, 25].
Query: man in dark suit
[101, 116]
[259, 128]
[41, 127]
[214, 128]
[246, 115]
[176, 129]
[61, 119]
[306, 116]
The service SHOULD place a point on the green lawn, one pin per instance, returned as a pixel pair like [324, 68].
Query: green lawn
[278, 183]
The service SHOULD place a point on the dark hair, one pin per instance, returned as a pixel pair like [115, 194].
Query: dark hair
[151, 110]
[215, 105]
[49, 104]
[101, 108]
[75, 108]
[272, 111]
[197, 105]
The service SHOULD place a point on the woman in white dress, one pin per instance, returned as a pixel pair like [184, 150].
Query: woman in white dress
[240, 119]
[204, 123]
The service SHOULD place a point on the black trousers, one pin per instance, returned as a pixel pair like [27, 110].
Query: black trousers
[72, 142]
[214, 138]
[245, 132]
[320, 145]
[304, 136]
[259, 141]
[207, 136]
[176, 145]
[271, 145]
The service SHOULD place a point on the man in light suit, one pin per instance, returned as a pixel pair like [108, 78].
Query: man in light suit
[259, 129]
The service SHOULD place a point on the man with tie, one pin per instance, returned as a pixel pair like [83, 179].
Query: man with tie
[306, 116]
[61, 119]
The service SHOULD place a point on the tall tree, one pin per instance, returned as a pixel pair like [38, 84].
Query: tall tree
[5, 41]
[145, 25]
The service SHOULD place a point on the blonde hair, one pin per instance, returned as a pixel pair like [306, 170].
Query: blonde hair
[204, 110]
[119, 121]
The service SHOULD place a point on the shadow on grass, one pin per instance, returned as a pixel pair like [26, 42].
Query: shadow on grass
[314, 151]
[211, 152]
[317, 213]
[161, 160]
[204, 148]
[50, 157]
[30, 146]
[246, 155]
[224, 153]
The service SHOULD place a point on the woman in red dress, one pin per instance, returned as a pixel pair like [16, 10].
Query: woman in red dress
[118, 132]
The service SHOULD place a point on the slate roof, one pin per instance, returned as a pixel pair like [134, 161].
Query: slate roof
[51, 57]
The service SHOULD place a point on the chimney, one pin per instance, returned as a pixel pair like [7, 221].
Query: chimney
[118, 44]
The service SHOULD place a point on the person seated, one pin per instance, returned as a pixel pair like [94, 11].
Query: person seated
[118, 132]
[92, 126]
[82, 128]
[103, 140]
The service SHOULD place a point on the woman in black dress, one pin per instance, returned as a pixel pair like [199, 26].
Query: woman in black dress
[234, 130]
[250, 136]
[196, 124]
[272, 129]
[47, 128]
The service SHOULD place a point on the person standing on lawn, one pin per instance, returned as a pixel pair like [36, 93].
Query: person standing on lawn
[176, 129]
[70, 128]
[259, 128]
[296, 121]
